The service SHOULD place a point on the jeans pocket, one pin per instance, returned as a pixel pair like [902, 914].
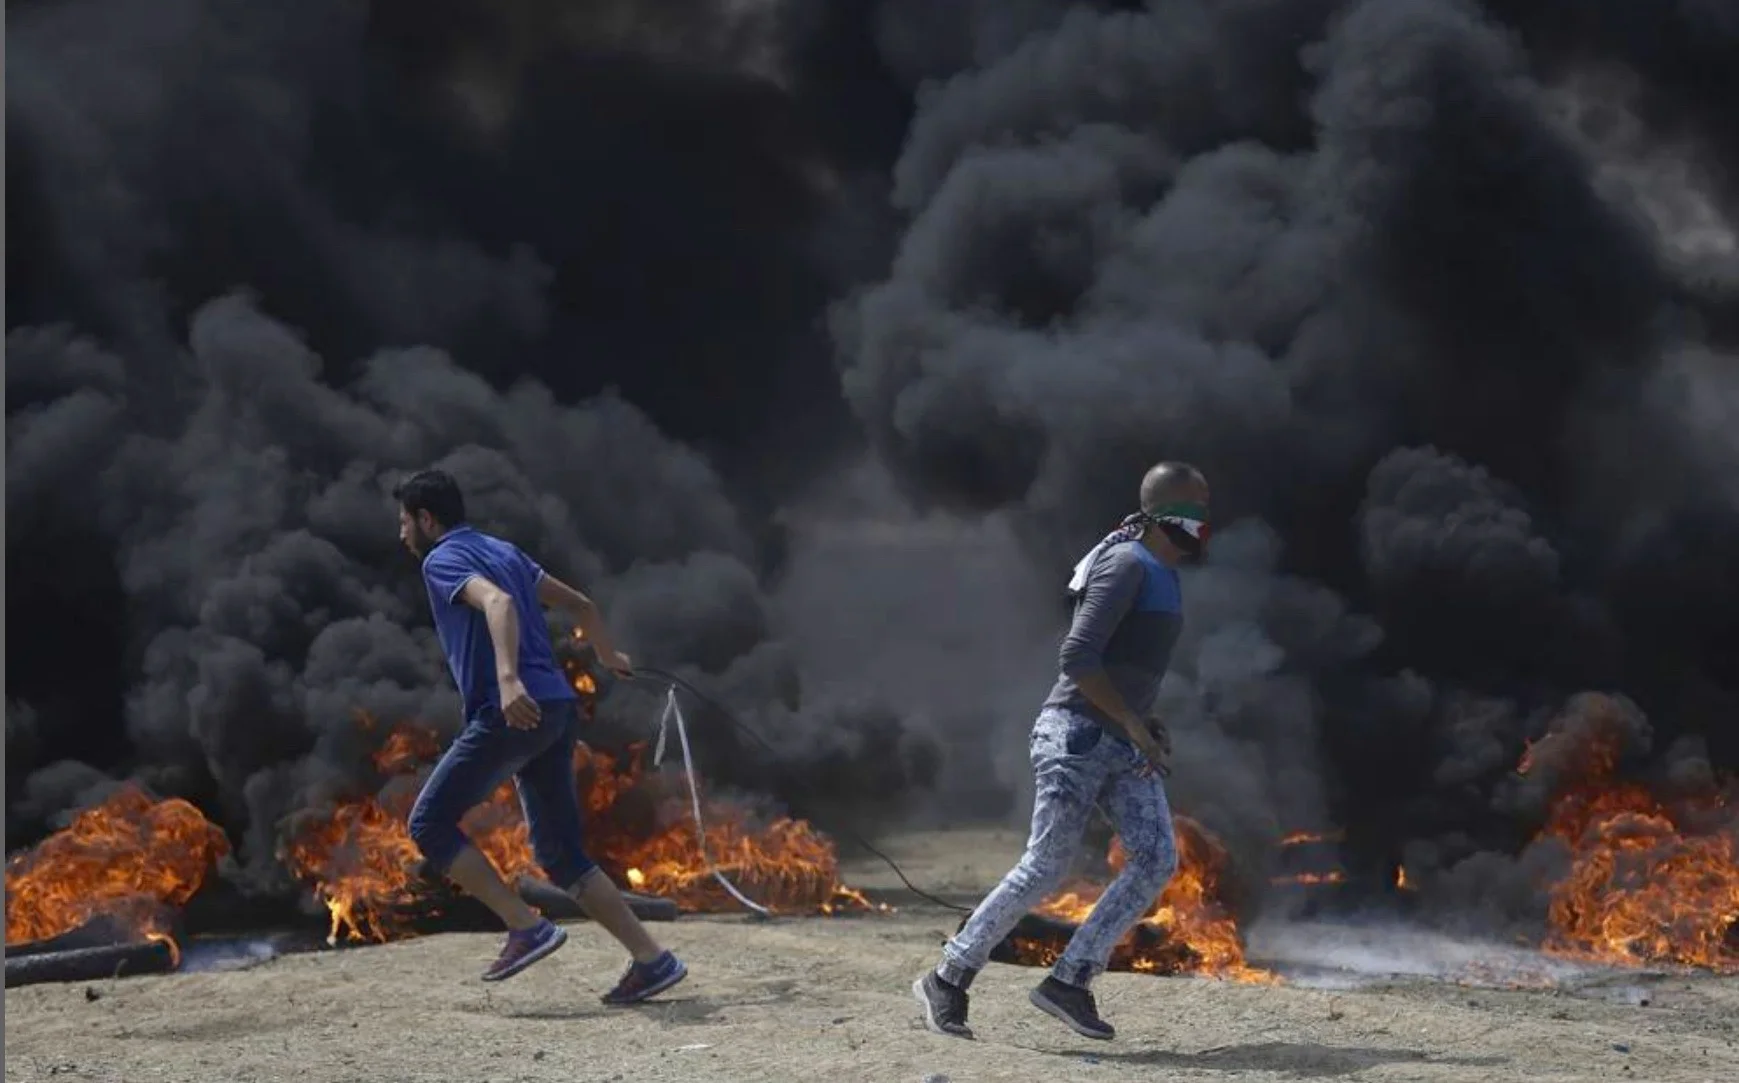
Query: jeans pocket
[1082, 736]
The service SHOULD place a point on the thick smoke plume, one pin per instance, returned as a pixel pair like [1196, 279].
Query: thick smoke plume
[1440, 297]
[260, 268]
[821, 338]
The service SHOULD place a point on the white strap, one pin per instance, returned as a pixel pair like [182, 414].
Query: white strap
[673, 710]
[1084, 568]
[664, 727]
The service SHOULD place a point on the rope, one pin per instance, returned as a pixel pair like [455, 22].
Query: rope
[673, 711]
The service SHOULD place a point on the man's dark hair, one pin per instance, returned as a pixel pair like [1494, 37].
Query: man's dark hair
[435, 492]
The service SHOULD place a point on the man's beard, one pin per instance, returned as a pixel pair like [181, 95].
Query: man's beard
[420, 542]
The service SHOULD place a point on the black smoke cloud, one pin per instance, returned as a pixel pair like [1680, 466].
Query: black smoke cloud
[264, 266]
[266, 604]
[1441, 295]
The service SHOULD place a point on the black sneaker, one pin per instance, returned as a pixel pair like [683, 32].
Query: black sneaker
[1074, 1006]
[944, 1006]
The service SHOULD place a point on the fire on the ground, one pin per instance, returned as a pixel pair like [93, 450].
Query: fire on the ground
[1651, 881]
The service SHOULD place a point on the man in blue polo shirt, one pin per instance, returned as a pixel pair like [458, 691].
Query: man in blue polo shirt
[521, 722]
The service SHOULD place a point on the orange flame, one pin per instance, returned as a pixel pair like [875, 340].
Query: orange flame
[1310, 877]
[578, 675]
[583, 682]
[131, 859]
[363, 864]
[1298, 838]
[1648, 883]
[1188, 930]
[404, 748]
[1334, 876]
[1641, 889]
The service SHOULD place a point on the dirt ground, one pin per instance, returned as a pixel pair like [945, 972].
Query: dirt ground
[829, 999]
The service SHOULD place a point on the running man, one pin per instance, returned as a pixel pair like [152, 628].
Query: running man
[521, 721]
[1094, 738]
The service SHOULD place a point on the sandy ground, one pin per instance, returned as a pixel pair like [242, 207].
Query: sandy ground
[817, 999]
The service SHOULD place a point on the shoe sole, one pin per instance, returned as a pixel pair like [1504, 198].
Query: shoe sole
[931, 1023]
[543, 951]
[651, 991]
[1051, 1008]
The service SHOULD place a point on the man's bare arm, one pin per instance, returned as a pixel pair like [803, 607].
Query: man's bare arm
[556, 594]
[497, 609]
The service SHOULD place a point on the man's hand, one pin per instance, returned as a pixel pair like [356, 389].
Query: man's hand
[517, 706]
[1154, 743]
[616, 662]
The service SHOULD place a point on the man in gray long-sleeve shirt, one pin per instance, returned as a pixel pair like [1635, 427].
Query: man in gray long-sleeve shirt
[1094, 737]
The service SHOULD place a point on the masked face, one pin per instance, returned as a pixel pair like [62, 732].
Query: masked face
[1185, 525]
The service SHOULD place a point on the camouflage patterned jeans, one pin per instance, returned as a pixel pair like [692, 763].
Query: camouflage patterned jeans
[1075, 763]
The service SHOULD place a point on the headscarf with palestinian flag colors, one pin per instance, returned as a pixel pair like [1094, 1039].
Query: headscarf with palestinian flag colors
[1185, 524]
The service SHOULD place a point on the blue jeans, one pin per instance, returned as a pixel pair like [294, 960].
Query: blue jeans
[1075, 761]
[541, 763]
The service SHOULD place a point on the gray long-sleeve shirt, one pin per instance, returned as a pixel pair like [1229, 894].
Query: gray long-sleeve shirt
[1126, 622]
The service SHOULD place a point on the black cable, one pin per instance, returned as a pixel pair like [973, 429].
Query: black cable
[646, 673]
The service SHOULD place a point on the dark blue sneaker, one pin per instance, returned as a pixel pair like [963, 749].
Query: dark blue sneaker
[524, 948]
[643, 980]
[1074, 1006]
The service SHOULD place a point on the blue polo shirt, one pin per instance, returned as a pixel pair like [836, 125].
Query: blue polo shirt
[461, 555]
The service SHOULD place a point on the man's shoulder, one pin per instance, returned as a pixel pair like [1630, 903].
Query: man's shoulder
[1118, 569]
[1131, 565]
[472, 542]
[466, 551]
[1121, 559]
[470, 535]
